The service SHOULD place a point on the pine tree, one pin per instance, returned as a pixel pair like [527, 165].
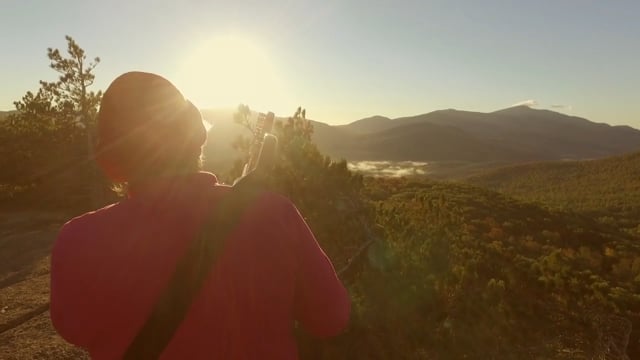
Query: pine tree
[51, 133]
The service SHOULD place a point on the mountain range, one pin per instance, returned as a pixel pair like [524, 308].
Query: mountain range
[512, 135]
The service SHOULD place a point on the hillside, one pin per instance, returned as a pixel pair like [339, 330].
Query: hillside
[478, 272]
[605, 188]
[368, 125]
[428, 142]
[218, 152]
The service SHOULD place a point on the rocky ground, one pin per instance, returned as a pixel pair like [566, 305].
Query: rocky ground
[26, 332]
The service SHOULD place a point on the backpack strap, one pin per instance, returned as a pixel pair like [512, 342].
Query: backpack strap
[190, 274]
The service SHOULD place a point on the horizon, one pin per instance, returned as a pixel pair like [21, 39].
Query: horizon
[528, 106]
[230, 110]
[576, 58]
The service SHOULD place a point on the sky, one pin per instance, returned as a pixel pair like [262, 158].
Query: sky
[346, 60]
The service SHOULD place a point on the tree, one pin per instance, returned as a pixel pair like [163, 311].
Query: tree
[48, 127]
[71, 89]
[328, 194]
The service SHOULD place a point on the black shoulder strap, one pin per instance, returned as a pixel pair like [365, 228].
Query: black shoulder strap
[189, 275]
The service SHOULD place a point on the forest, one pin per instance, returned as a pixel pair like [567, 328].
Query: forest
[605, 189]
[532, 262]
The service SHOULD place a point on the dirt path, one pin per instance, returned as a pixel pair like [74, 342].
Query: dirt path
[25, 327]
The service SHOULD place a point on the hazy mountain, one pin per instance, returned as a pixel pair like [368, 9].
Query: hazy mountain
[368, 125]
[425, 141]
[515, 134]
[218, 152]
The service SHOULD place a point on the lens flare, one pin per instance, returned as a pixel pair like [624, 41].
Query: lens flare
[225, 71]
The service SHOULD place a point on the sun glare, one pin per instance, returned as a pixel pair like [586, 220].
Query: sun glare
[226, 71]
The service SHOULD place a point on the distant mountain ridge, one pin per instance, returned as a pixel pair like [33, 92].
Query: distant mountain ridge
[368, 125]
[516, 134]
[506, 136]
[513, 134]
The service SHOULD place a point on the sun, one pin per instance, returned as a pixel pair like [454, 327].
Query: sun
[225, 71]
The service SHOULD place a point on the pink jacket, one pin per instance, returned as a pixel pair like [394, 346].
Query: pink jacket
[108, 268]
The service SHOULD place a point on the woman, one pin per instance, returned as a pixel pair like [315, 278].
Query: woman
[109, 267]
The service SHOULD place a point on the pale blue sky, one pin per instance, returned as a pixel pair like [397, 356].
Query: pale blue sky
[344, 60]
